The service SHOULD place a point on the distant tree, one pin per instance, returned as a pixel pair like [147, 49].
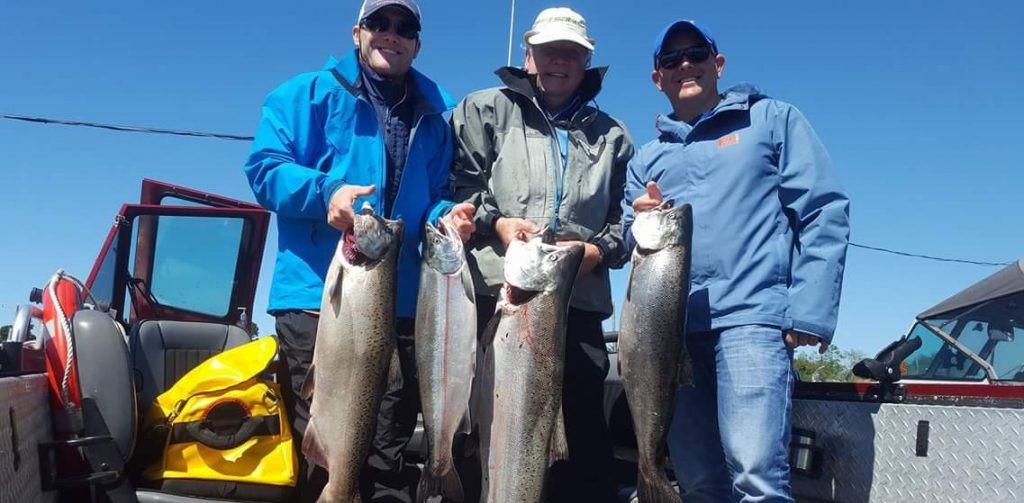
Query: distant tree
[836, 365]
[5, 332]
[254, 330]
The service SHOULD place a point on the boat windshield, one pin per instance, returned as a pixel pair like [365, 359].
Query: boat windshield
[990, 334]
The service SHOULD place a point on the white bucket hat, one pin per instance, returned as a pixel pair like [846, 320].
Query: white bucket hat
[559, 23]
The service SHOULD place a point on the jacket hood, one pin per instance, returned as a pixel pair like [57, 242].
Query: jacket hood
[739, 97]
[523, 83]
[431, 95]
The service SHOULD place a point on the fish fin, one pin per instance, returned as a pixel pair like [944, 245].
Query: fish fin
[487, 337]
[332, 283]
[438, 488]
[311, 447]
[466, 425]
[395, 380]
[307, 384]
[655, 487]
[467, 284]
[629, 282]
[559, 443]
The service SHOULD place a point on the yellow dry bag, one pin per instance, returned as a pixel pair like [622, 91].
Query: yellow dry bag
[223, 430]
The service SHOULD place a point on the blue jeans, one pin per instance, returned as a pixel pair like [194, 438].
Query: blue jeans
[729, 439]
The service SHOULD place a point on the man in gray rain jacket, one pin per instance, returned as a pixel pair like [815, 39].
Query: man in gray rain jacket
[537, 153]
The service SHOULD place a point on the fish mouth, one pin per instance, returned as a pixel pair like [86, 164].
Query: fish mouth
[518, 296]
[353, 255]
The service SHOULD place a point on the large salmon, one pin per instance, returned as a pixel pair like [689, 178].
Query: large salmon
[445, 356]
[528, 355]
[651, 350]
[355, 344]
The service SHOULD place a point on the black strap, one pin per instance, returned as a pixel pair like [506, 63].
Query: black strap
[204, 432]
[352, 88]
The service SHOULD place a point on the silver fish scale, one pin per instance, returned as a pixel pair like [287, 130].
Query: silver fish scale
[445, 356]
[974, 453]
[27, 398]
[355, 342]
[529, 351]
[650, 343]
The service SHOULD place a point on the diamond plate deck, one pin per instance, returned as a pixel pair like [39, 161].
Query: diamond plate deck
[26, 398]
[974, 453]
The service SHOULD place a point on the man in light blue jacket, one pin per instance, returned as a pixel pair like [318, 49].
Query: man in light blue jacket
[770, 232]
[366, 128]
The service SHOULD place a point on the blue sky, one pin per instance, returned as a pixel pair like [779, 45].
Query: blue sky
[916, 101]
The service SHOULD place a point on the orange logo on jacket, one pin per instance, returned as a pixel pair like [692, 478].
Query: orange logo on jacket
[728, 140]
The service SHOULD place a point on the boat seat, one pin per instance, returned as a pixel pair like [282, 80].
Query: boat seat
[163, 351]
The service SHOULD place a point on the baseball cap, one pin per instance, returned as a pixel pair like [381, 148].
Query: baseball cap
[678, 26]
[371, 6]
[559, 23]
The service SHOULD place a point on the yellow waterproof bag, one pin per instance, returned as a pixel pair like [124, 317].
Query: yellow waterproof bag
[221, 430]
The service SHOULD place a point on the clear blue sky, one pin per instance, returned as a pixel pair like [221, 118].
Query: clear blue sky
[917, 102]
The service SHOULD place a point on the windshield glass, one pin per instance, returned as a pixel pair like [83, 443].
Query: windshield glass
[992, 330]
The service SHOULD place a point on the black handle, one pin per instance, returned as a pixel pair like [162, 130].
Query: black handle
[200, 431]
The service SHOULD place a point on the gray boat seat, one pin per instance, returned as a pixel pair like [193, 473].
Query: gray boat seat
[164, 351]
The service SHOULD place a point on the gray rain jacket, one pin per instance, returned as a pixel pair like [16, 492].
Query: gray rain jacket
[507, 164]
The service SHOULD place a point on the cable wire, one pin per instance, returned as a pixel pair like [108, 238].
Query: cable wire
[929, 257]
[128, 129]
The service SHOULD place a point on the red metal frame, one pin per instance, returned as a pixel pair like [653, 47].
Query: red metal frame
[1003, 390]
[153, 192]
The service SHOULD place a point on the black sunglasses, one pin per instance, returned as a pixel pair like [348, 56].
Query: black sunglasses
[672, 59]
[405, 28]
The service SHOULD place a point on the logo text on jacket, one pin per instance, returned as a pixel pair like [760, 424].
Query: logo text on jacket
[728, 140]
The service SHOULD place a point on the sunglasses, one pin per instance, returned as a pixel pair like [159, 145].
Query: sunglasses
[672, 59]
[407, 29]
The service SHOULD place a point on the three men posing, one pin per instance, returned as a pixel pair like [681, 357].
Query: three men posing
[769, 242]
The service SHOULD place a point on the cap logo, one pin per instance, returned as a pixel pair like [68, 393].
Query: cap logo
[566, 19]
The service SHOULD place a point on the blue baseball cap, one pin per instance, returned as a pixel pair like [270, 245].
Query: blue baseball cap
[678, 26]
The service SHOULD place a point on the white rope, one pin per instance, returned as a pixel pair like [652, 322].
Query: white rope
[62, 320]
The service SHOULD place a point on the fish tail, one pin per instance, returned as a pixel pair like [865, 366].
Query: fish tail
[327, 495]
[434, 488]
[654, 487]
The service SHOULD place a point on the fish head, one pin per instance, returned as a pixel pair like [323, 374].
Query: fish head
[442, 247]
[662, 226]
[371, 237]
[535, 266]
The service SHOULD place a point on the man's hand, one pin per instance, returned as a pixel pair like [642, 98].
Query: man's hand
[461, 219]
[339, 212]
[649, 200]
[510, 229]
[796, 339]
[592, 256]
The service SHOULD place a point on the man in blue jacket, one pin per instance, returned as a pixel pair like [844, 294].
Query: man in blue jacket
[366, 128]
[771, 227]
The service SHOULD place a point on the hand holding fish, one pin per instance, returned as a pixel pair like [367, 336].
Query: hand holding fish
[591, 256]
[649, 200]
[339, 212]
[511, 229]
[461, 220]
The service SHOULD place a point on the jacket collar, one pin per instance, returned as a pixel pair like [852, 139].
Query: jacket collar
[737, 98]
[429, 97]
[521, 82]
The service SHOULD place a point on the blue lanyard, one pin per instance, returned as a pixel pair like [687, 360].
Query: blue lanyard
[562, 140]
